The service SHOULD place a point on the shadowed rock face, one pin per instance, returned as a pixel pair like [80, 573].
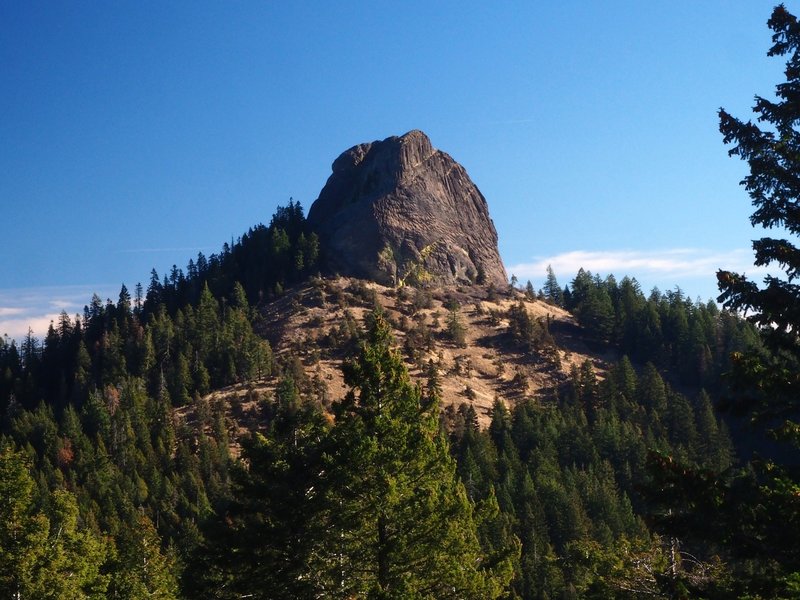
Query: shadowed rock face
[399, 210]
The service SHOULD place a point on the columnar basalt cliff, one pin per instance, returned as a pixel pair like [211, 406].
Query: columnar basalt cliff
[399, 211]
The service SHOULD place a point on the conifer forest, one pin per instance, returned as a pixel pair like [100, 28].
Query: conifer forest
[645, 445]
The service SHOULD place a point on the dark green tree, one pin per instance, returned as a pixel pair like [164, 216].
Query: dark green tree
[552, 291]
[141, 568]
[401, 524]
[772, 150]
[41, 555]
[455, 328]
[265, 545]
[755, 516]
[23, 530]
[591, 303]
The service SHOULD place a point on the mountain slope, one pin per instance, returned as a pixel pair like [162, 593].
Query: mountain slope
[311, 331]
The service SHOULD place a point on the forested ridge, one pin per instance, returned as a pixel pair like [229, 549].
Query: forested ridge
[120, 478]
[111, 488]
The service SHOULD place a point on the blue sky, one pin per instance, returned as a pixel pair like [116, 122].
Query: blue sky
[136, 134]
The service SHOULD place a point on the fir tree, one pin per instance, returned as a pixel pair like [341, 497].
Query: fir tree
[142, 570]
[753, 516]
[401, 523]
[23, 531]
[552, 291]
[43, 556]
[265, 546]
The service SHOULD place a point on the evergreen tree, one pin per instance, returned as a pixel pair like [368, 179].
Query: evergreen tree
[591, 303]
[265, 546]
[773, 156]
[401, 523]
[552, 291]
[770, 386]
[75, 556]
[753, 516]
[530, 293]
[43, 556]
[23, 530]
[141, 569]
[455, 328]
[715, 446]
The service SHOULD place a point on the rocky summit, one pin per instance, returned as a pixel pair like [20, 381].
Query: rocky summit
[400, 211]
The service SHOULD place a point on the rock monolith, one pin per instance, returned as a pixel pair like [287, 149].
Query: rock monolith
[400, 211]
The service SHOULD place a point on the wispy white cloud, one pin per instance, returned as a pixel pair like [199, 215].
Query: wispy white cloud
[672, 263]
[17, 329]
[21, 308]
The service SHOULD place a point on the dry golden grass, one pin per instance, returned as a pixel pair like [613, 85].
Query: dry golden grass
[486, 368]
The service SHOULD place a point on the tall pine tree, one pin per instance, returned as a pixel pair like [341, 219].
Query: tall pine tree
[401, 523]
[755, 516]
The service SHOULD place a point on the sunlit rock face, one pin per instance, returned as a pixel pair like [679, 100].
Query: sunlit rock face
[400, 211]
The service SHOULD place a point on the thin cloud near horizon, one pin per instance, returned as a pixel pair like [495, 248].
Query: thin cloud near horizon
[36, 307]
[668, 263]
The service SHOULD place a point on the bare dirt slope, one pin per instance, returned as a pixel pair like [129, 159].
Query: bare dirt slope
[311, 330]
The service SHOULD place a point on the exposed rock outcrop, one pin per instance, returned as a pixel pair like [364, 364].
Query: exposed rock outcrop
[399, 210]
